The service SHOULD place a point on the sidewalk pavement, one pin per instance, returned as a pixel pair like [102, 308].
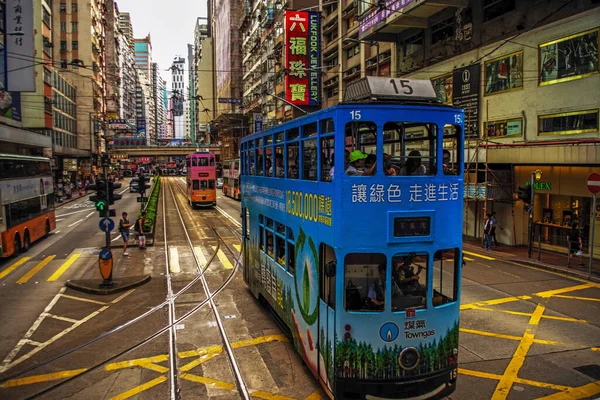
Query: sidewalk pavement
[74, 196]
[548, 260]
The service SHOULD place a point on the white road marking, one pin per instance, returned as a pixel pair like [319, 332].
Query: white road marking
[56, 232]
[59, 219]
[200, 256]
[229, 217]
[89, 215]
[76, 222]
[74, 212]
[174, 260]
[123, 191]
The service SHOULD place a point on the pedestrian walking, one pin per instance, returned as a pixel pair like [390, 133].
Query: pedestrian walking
[487, 231]
[124, 226]
[575, 244]
[495, 224]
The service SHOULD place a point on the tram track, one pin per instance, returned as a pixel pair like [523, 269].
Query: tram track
[170, 327]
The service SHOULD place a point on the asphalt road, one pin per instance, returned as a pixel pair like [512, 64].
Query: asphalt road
[525, 333]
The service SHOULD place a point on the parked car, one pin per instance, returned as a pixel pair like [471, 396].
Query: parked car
[134, 185]
[219, 183]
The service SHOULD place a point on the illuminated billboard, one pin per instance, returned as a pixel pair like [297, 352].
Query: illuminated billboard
[302, 57]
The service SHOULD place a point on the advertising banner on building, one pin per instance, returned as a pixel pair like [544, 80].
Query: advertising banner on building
[379, 14]
[141, 128]
[302, 57]
[122, 124]
[465, 94]
[20, 57]
[127, 142]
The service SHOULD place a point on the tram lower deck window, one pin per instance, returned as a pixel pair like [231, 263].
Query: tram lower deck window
[445, 276]
[364, 281]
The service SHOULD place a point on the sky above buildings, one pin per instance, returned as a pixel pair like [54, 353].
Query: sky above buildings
[170, 24]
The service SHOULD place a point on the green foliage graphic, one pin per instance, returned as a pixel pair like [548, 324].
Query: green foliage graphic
[358, 359]
[304, 305]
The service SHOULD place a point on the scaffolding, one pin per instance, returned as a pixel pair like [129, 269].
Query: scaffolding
[482, 183]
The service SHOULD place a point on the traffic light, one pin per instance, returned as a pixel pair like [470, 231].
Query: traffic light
[143, 184]
[100, 197]
[112, 196]
[524, 193]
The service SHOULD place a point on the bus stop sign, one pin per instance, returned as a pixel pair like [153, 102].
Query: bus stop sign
[593, 183]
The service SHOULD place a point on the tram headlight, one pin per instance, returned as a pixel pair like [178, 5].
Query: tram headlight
[409, 358]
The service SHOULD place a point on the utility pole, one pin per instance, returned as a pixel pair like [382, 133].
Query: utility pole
[530, 228]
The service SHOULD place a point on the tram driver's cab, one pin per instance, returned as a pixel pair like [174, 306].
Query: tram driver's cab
[367, 277]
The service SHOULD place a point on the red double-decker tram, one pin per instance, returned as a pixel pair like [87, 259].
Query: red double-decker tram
[201, 179]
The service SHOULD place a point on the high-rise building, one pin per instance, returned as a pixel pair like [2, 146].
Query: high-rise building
[178, 94]
[128, 77]
[158, 88]
[112, 67]
[191, 95]
[79, 49]
[205, 80]
[126, 27]
[143, 54]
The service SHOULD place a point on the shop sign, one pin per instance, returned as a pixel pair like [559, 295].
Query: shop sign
[541, 185]
[70, 164]
[302, 57]
[465, 94]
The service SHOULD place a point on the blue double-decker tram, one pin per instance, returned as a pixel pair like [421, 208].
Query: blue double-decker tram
[352, 221]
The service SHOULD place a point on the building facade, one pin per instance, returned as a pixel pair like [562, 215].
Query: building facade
[522, 75]
[178, 97]
[128, 79]
[143, 54]
[126, 27]
[205, 80]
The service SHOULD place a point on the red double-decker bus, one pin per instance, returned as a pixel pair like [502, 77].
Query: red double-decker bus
[201, 179]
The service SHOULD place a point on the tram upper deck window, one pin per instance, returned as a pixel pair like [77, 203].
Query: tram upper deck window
[445, 276]
[327, 148]
[452, 152]
[360, 141]
[365, 277]
[203, 161]
[409, 281]
[268, 151]
[410, 148]
[291, 248]
[309, 157]
[292, 160]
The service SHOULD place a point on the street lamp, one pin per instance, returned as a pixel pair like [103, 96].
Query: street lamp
[372, 43]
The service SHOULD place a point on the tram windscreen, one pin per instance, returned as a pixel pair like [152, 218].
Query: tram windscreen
[412, 226]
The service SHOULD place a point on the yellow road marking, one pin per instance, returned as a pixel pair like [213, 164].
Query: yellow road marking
[36, 269]
[82, 299]
[497, 377]
[63, 268]
[139, 389]
[479, 255]
[560, 274]
[524, 314]
[268, 396]
[223, 258]
[512, 370]
[581, 392]
[316, 395]
[202, 359]
[238, 247]
[13, 267]
[137, 362]
[121, 297]
[469, 259]
[509, 337]
[58, 317]
[595, 348]
[493, 302]
[207, 381]
[576, 298]
[551, 293]
[259, 340]
[42, 378]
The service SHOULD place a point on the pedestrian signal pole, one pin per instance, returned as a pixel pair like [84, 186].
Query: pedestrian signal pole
[530, 236]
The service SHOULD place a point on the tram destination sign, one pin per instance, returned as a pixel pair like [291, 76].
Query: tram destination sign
[412, 226]
[379, 88]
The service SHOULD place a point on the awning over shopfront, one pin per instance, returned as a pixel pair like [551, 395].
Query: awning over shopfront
[385, 23]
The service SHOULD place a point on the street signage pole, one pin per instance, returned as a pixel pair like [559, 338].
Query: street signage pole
[593, 185]
[105, 173]
[530, 228]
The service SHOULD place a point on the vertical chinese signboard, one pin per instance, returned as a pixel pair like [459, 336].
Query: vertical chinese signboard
[302, 57]
[19, 46]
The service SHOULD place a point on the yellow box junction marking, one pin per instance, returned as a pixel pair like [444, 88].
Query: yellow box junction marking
[493, 302]
[486, 375]
[35, 269]
[139, 389]
[576, 298]
[238, 247]
[509, 337]
[42, 378]
[518, 359]
[551, 293]
[223, 258]
[63, 268]
[316, 395]
[524, 314]
[16, 265]
[479, 255]
[581, 392]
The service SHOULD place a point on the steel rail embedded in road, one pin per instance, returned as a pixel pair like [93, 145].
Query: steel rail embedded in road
[174, 370]
[240, 383]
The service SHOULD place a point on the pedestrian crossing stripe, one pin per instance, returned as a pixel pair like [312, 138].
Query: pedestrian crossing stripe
[174, 266]
[13, 267]
[25, 278]
[63, 268]
[223, 258]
